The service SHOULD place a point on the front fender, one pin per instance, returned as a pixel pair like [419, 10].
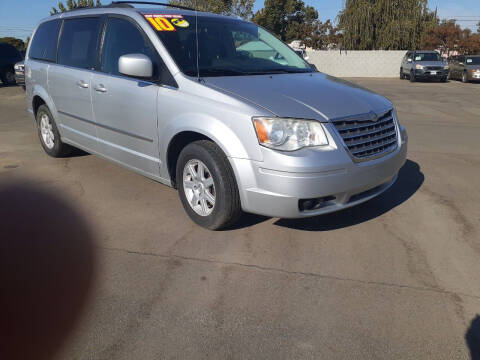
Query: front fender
[210, 127]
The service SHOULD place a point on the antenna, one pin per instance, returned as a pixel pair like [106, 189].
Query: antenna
[196, 40]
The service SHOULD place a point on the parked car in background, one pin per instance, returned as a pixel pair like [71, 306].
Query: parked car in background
[9, 56]
[302, 53]
[465, 68]
[232, 129]
[20, 73]
[423, 65]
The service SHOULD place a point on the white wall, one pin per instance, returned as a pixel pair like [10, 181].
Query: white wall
[375, 63]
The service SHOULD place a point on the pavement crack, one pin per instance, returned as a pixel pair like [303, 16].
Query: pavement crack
[290, 272]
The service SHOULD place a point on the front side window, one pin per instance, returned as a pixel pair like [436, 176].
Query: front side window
[44, 43]
[122, 38]
[427, 57]
[226, 47]
[79, 41]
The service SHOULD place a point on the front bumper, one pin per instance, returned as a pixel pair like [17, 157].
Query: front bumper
[431, 74]
[475, 76]
[19, 78]
[313, 174]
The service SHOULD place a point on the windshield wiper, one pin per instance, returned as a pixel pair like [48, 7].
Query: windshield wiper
[220, 72]
[278, 71]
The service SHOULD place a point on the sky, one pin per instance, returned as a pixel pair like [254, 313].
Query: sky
[19, 17]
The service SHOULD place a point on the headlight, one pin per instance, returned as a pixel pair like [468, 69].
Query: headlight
[16, 67]
[289, 134]
[446, 67]
[419, 67]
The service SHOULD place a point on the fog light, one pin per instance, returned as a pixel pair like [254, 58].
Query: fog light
[314, 204]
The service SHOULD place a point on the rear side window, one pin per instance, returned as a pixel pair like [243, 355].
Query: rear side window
[44, 43]
[79, 42]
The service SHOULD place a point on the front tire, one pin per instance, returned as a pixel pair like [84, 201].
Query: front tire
[465, 77]
[49, 135]
[412, 77]
[402, 75]
[8, 77]
[207, 186]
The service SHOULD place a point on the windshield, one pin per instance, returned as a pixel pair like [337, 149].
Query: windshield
[473, 60]
[427, 57]
[227, 47]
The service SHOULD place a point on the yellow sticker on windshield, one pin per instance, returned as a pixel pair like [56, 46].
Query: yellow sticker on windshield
[180, 23]
[164, 22]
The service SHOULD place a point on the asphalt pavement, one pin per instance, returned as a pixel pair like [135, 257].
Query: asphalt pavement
[395, 278]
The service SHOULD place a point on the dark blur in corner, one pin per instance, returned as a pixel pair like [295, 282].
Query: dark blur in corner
[47, 265]
[473, 338]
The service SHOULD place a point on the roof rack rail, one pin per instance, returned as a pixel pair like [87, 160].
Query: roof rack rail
[114, 3]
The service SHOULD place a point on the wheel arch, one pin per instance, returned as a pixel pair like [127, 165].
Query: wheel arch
[185, 130]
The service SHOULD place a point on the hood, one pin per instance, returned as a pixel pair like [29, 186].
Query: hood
[308, 96]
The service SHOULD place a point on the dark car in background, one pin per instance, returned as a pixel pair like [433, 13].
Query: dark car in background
[20, 73]
[465, 68]
[424, 65]
[9, 56]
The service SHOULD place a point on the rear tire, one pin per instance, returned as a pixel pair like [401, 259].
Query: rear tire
[49, 135]
[207, 186]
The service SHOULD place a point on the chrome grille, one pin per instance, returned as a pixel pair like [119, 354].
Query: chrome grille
[434, 68]
[366, 138]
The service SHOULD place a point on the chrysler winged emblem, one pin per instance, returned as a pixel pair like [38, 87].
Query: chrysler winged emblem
[373, 117]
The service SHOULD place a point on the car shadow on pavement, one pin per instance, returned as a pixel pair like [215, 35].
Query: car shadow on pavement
[472, 337]
[409, 181]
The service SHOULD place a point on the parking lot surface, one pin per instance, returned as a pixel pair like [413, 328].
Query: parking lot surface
[395, 278]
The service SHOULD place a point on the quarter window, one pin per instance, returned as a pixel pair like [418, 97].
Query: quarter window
[79, 42]
[44, 43]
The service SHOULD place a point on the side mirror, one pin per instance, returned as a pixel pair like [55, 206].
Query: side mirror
[461, 64]
[135, 65]
[410, 60]
[306, 58]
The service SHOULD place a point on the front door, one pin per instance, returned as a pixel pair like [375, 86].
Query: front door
[125, 108]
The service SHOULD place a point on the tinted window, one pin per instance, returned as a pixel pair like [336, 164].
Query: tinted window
[427, 57]
[44, 43]
[123, 37]
[473, 61]
[78, 43]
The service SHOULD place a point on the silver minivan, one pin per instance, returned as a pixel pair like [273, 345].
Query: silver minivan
[214, 106]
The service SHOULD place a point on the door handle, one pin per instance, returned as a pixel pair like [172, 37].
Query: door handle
[100, 88]
[82, 84]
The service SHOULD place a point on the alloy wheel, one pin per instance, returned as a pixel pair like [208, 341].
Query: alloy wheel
[46, 129]
[199, 187]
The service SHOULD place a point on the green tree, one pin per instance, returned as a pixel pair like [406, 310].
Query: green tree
[74, 4]
[385, 24]
[18, 43]
[288, 19]
[242, 8]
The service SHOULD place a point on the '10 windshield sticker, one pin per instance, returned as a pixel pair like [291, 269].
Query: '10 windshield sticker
[167, 22]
